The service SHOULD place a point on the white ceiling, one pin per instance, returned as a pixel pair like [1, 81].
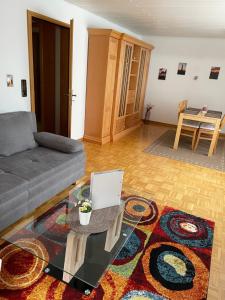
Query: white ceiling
[195, 18]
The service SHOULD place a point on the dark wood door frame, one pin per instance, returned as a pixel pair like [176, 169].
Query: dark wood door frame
[30, 16]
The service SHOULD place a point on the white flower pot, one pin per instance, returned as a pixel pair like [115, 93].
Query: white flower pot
[84, 217]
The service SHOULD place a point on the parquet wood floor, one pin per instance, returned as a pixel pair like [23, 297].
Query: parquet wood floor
[193, 189]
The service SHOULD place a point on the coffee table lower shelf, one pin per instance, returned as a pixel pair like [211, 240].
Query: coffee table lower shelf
[74, 282]
[96, 261]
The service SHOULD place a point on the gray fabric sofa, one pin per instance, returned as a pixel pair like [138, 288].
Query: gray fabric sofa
[33, 166]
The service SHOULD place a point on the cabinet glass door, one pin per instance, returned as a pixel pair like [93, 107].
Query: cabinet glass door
[125, 79]
[140, 80]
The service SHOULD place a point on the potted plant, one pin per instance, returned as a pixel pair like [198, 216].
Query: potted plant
[85, 210]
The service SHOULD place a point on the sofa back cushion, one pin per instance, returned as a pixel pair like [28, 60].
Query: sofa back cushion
[16, 132]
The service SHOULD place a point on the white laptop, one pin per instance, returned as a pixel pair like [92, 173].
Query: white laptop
[106, 187]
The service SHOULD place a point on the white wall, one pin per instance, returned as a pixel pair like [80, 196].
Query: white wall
[14, 51]
[200, 55]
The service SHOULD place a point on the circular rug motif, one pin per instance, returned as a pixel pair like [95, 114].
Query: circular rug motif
[79, 194]
[20, 268]
[187, 229]
[171, 267]
[132, 247]
[141, 210]
[142, 295]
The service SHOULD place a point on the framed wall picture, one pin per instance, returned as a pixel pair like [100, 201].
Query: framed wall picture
[181, 69]
[9, 80]
[162, 74]
[214, 74]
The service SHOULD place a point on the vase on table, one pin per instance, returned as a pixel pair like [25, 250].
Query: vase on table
[84, 217]
[85, 210]
[204, 109]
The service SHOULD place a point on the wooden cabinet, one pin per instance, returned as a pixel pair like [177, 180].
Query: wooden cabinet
[116, 82]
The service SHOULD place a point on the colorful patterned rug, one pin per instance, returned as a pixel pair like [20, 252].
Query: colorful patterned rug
[168, 257]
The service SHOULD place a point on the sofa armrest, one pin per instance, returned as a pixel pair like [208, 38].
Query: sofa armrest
[58, 142]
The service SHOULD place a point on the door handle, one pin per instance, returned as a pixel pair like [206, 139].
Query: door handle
[73, 95]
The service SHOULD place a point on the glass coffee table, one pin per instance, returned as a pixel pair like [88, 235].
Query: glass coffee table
[47, 237]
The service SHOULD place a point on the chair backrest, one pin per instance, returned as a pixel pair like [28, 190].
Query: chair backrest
[222, 124]
[182, 106]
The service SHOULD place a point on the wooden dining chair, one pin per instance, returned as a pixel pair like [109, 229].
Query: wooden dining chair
[206, 131]
[189, 128]
[182, 106]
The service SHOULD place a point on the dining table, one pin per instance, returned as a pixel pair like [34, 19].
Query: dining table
[194, 114]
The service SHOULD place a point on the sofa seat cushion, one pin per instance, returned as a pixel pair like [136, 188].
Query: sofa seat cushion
[39, 164]
[13, 210]
[11, 187]
[55, 184]
[16, 133]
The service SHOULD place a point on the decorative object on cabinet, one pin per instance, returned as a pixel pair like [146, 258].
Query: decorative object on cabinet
[116, 82]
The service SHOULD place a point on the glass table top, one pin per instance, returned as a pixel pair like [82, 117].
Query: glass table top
[46, 237]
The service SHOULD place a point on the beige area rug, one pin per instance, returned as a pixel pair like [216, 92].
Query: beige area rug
[163, 146]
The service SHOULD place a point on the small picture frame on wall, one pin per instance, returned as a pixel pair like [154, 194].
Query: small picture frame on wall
[9, 80]
[23, 88]
[181, 69]
[162, 74]
[214, 74]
